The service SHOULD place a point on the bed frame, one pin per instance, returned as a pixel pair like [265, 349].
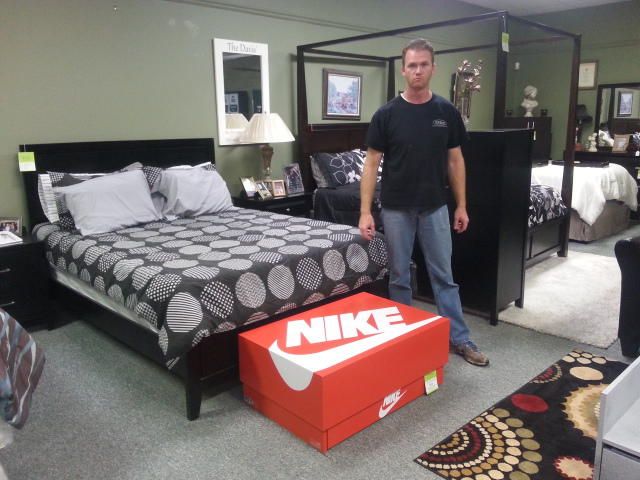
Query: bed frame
[336, 137]
[540, 241]
[214, 361]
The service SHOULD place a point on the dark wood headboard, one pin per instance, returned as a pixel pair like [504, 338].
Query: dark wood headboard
[327, 137]
[89, 157]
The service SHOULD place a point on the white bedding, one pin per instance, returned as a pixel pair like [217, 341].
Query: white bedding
[592, 187]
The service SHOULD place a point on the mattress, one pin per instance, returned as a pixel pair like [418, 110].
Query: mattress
[342, 205]
[592, 187]
[192, 277]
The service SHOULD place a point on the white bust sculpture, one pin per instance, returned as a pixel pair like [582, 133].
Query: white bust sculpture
[593, 142]
[604, 139]
[529, 102]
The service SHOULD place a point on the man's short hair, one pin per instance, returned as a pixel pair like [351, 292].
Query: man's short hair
[418, 44]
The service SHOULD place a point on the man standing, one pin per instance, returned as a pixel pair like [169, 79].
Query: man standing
[420, 134]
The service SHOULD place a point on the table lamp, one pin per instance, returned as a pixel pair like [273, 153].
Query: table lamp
[266, 128]
[235, 124]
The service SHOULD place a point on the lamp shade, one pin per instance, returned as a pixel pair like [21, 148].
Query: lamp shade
[236, 121]
[267, 128]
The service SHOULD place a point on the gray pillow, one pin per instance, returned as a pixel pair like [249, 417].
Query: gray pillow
[110, 202]
[193, 191]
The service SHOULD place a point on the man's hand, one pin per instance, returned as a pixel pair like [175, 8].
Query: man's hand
[367, 226]
[460, 220]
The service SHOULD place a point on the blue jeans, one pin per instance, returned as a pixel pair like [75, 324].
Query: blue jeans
[434, 236]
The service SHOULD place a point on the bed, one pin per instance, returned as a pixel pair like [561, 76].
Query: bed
[513, 243]
[603, 197]
[181, 290]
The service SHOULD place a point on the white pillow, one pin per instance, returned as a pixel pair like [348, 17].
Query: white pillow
[110, 202]
[192, 192]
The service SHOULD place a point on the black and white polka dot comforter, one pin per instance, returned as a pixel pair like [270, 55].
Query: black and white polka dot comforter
[193, 277]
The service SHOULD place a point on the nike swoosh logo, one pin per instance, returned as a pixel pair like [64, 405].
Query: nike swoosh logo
[297, 369]
[384, 410]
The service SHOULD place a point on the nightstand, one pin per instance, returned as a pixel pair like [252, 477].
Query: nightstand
[298, 205]
[24, 282]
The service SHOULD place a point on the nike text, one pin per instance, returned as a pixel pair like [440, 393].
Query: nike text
[345, 325]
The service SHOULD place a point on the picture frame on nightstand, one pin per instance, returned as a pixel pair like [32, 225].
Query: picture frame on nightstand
[263, 191]
[249, 186]
[279, 190]
[11, 224]
[293, 179]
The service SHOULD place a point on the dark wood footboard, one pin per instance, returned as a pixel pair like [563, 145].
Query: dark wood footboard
[211, 363]
[544, 240]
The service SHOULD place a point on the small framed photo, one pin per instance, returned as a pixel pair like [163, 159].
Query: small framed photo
[620, 143]
[341, 95]
[269, 185]
[587, 75]
[279, 190]
[11, 224]
[293, 179]
[249, 186]
[625, 104]
[263, 191]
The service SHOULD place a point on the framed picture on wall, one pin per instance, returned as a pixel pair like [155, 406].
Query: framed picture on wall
[625, 104]
[341, 95]
[587, 75]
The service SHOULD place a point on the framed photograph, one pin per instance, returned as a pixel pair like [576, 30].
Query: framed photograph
[249, 186]
[625, 104]
[620, 143]
[263, 191]
[11, 224]
[293, 179]
[587, 75]
[279, 189]
[341, 95]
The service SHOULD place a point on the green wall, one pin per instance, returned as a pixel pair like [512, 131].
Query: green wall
[610, 36]
[82, 70]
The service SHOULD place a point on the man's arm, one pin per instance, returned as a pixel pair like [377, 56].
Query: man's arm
[457, 180]
[367, 190]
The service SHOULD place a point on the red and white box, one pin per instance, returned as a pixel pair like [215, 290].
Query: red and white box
[331, 371]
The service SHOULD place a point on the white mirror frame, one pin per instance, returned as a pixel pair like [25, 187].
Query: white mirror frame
[221, 46]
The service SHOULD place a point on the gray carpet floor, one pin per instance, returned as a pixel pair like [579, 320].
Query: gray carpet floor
[102, 411]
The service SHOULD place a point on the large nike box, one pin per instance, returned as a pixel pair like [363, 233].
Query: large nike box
[330, 372]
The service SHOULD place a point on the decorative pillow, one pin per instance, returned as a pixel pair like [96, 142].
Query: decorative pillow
[190, 192]
[339, 168]
[109, 202]
[53, 205]
[360, 158]
[153, 174]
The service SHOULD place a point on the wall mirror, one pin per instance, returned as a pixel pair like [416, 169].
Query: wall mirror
[242, 86]
[618, 106]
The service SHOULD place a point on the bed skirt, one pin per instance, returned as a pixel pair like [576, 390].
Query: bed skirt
[613, 219]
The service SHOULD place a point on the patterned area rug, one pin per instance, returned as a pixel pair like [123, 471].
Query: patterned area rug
[546, 430]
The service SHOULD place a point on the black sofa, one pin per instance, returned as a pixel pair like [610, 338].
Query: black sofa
[628, 256]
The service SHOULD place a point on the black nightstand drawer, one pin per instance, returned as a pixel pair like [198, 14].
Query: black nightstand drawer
[24, 291]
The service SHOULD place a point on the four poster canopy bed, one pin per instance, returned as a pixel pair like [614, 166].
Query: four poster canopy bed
[489, 258]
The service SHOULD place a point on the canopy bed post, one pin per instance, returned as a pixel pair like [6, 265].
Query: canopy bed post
[391, 80]
[303, 110]
[499, 105]
[569, 151]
